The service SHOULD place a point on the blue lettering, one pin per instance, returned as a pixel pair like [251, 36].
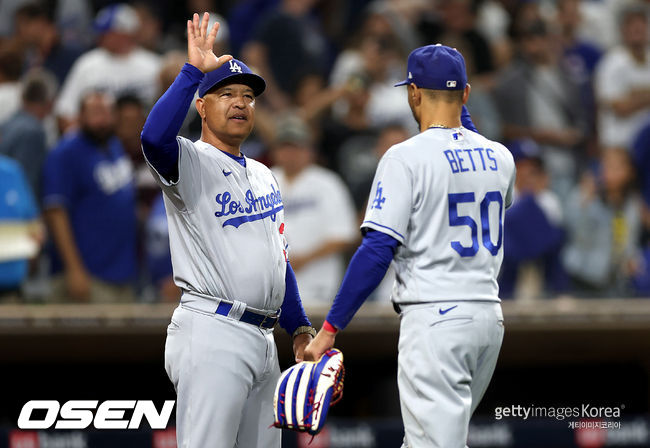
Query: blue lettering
[277, 197]
[222, 200]
[471, 159]
[228, 207]
[459, 156]
[480, 152]
[272, 201]
[491, 158]
[250, 200]
[234, 205]
[452, 161]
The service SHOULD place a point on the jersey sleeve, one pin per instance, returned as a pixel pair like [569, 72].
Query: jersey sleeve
[389, 204]
[366, 270]
[26, 203]
[185, 191]
[161, 128]
[30, 210]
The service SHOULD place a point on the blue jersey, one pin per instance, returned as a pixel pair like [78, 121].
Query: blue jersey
[95, 186]
[159, 259]
[17, 204]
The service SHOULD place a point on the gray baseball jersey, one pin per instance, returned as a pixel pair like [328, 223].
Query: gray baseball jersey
[226, 227]
[442, 194]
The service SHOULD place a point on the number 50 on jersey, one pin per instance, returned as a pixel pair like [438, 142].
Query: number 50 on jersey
[465, 220]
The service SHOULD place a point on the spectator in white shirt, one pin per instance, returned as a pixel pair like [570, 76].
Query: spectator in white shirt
[10, 68]
[117, 65]
[319, 212]
[623, 81]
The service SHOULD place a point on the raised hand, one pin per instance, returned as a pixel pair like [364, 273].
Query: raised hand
[200, 44]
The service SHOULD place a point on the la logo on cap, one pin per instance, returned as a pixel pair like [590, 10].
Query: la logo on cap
[234, 67]
[410, 75]
[451, 84]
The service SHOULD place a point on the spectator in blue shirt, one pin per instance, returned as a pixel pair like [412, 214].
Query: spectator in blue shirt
[89, 204]
[158, 255]
[17, 209]
[535, 233]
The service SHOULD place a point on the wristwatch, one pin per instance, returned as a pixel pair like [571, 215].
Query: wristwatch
[305, 329]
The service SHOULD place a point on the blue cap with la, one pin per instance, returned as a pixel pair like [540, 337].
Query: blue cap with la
[436, 67]
[232, 72]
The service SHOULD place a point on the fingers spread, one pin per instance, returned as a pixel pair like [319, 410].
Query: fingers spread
[213, 34]
[223, 59]
[190, 30]
[195, 23]
[204, 24]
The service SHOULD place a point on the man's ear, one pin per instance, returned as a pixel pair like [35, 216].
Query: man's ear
[468, 89]
[415, 95]
[200, 107]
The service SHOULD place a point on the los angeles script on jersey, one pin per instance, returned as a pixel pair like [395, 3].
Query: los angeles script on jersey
[251, 209]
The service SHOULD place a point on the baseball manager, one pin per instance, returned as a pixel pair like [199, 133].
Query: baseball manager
[229, 254]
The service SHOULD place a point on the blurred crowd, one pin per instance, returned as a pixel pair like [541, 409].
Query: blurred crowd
[564, 84]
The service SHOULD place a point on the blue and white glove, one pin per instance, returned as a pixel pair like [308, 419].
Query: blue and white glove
[306, 391]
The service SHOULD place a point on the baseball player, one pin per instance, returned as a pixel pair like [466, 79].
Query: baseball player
[229, 256]
[436, 211]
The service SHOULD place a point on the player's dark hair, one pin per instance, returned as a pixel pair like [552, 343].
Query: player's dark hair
[447, 96]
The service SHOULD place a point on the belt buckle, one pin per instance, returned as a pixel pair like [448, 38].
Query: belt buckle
[266, 316]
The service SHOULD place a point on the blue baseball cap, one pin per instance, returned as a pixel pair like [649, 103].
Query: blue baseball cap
[525, 148]
[232, 72]
[436, 67]
[118, 17]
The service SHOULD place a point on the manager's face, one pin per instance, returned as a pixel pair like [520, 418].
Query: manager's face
[229, 111]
